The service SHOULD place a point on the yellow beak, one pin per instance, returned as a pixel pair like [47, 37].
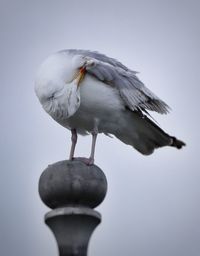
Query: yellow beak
[81, 75]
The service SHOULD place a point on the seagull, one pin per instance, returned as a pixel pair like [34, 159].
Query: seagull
[90, 93]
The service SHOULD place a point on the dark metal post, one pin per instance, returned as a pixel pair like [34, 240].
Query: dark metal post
[72, 189]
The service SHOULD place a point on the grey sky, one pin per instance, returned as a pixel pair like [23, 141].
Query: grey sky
[152, 206]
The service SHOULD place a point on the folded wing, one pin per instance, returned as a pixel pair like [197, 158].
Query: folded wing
[135, 94]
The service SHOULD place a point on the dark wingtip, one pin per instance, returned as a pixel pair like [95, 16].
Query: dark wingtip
[177, 143]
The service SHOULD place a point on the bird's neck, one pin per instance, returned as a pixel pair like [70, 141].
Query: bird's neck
[64, 103]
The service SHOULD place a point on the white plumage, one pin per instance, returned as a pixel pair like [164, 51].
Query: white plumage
[87, 92]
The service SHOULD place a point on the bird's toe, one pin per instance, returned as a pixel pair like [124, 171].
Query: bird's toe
[87, 161]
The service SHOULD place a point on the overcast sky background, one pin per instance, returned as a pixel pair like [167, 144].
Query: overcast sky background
[152, 205]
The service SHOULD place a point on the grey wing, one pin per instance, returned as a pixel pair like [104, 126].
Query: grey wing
[99, 56]
[134, 93]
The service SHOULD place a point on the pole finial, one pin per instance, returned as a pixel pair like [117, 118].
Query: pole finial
[72, 189]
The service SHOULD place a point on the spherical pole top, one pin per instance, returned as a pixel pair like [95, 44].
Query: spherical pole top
[72, 182]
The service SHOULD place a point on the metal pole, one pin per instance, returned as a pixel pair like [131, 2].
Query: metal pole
[72, 189]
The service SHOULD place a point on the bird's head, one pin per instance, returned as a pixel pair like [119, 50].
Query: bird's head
[58, 71]
[59, 78]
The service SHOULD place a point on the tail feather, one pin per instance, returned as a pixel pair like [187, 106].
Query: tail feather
[143, 134]
[177, 143]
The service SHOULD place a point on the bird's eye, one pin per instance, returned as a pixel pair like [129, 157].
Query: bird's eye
[51, 97]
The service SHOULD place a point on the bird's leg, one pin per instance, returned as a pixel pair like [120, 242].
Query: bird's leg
[94, 138]
[90, 160]
[74, 140]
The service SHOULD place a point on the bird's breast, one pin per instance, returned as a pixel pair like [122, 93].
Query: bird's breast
[99, 105]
